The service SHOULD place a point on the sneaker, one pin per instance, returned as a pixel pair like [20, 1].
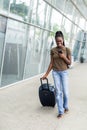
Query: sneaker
[66, 110]
[60, 115]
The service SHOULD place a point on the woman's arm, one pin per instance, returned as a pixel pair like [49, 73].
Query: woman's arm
[49, 69]
[67, 57]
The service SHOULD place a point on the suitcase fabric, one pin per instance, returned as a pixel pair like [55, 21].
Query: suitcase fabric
[47, 94]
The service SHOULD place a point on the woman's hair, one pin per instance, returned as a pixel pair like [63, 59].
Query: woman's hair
[60, 34]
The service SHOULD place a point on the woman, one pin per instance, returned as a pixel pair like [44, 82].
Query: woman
[60, 59]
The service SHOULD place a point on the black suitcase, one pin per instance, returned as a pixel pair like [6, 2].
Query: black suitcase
[47, 94]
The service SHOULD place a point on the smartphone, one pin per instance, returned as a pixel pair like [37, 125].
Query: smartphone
[60, 51]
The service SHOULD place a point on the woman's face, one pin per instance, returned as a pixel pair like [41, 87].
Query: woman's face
[59, 41]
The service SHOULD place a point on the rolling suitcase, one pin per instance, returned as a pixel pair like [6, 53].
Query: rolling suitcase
[47, 94]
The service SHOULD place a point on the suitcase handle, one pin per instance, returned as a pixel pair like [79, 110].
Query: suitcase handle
[46, 80]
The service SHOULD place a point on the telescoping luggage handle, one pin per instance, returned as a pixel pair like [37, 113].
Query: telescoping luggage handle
[46, 80]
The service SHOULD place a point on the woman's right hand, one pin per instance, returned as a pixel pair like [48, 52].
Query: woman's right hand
[44, 77]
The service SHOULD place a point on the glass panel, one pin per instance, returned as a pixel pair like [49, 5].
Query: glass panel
[48, 43]
[82, 23]
[86, 26]
[41, 14]
[15, 52]
[48, 17]
[82, 7]
[38, 52]
[55, 24]
[19, 9]
[4, 6]
[74, 30]
[59, 4]
[76, 50]
[42, 10]
[73, 34]
[78, 44]
[69, 8]
[35, 18]
[66, 28]
[83, 52]
[76, 16]
[33, 53]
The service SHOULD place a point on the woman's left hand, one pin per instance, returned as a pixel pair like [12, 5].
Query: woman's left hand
[62, 55]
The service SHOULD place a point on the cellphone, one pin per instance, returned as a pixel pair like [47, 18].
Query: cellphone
[60, 51]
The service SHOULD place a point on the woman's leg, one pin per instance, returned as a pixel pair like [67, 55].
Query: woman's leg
[59, 95]
[64, 80]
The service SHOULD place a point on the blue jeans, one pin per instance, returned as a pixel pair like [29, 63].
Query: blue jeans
[61, 86]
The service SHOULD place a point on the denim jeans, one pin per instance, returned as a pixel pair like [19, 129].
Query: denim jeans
[61, 86]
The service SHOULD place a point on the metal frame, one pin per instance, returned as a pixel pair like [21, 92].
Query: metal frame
[3, 54]
[25, 22]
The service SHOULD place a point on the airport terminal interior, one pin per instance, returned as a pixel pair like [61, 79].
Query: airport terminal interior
[27, 34]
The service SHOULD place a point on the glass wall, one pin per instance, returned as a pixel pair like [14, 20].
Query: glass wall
[27, 29]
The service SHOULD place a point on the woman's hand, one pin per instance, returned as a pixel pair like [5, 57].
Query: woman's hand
[62, 55]
[65, 58]
[48, 70]
[44, 77]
